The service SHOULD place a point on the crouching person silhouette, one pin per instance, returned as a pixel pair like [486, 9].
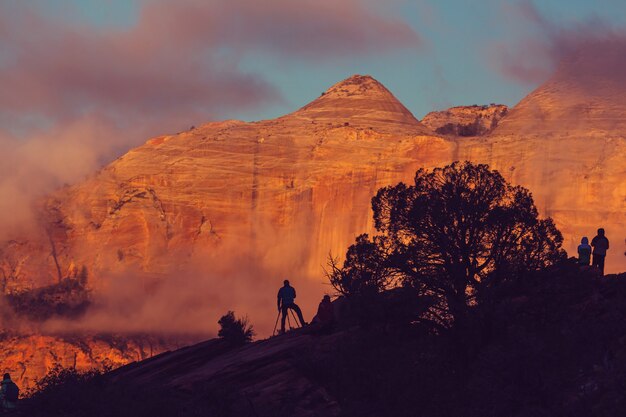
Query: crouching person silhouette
[324, 320]
[286, 295]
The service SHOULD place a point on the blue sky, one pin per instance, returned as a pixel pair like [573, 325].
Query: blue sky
[450, 67]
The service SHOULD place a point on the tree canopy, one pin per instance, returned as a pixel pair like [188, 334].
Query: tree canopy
[456, 233]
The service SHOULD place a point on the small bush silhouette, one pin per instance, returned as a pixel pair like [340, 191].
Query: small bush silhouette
[236, 331]
[59, 378]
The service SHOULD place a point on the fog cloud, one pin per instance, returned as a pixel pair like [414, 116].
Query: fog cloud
[191, 300]
[586, 50]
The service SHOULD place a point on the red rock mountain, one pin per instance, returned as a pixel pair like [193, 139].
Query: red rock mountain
[229, 209]
[285, 191]
[566, 142]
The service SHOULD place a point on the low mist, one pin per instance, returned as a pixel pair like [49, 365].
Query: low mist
[191, 301]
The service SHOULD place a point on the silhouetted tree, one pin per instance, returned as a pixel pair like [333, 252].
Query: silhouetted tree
[365, 269]
[233, 330]
[456, 234]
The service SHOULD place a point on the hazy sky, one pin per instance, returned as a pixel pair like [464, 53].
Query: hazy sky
[451, 60]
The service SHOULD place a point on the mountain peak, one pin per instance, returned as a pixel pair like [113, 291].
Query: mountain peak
[359, 85]
[361, 101]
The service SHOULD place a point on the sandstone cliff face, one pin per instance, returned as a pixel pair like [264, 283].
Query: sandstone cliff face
[285, 190]
[288, 191]
[276, 196]
[465, 120]
[566, 142]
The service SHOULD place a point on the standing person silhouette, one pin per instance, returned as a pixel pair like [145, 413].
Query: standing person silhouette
[600, 245]
[286, 295]
[9, 394]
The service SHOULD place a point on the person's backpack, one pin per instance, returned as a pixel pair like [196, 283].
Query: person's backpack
[12, 392]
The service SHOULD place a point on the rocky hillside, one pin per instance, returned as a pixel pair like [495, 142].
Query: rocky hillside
[554, 345]
[465, 120]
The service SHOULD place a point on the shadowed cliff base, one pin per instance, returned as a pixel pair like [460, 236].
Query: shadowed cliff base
[554, 347]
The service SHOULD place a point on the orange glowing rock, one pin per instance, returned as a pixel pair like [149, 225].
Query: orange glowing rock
[244, 205]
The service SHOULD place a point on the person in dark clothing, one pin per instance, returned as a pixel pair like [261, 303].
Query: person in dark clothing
[286, 295]
[324, 320]
[325, 313]
[584, 252]
[600, 245]
[9, 393]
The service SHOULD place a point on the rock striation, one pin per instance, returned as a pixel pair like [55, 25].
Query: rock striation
[363, 102]
[286, 190]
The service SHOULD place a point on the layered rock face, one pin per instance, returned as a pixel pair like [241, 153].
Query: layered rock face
[288, 191]
[363, 102]
[285, 191]
[273, 198]
[465, 120]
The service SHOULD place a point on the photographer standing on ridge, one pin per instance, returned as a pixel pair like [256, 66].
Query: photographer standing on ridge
[286, 295]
